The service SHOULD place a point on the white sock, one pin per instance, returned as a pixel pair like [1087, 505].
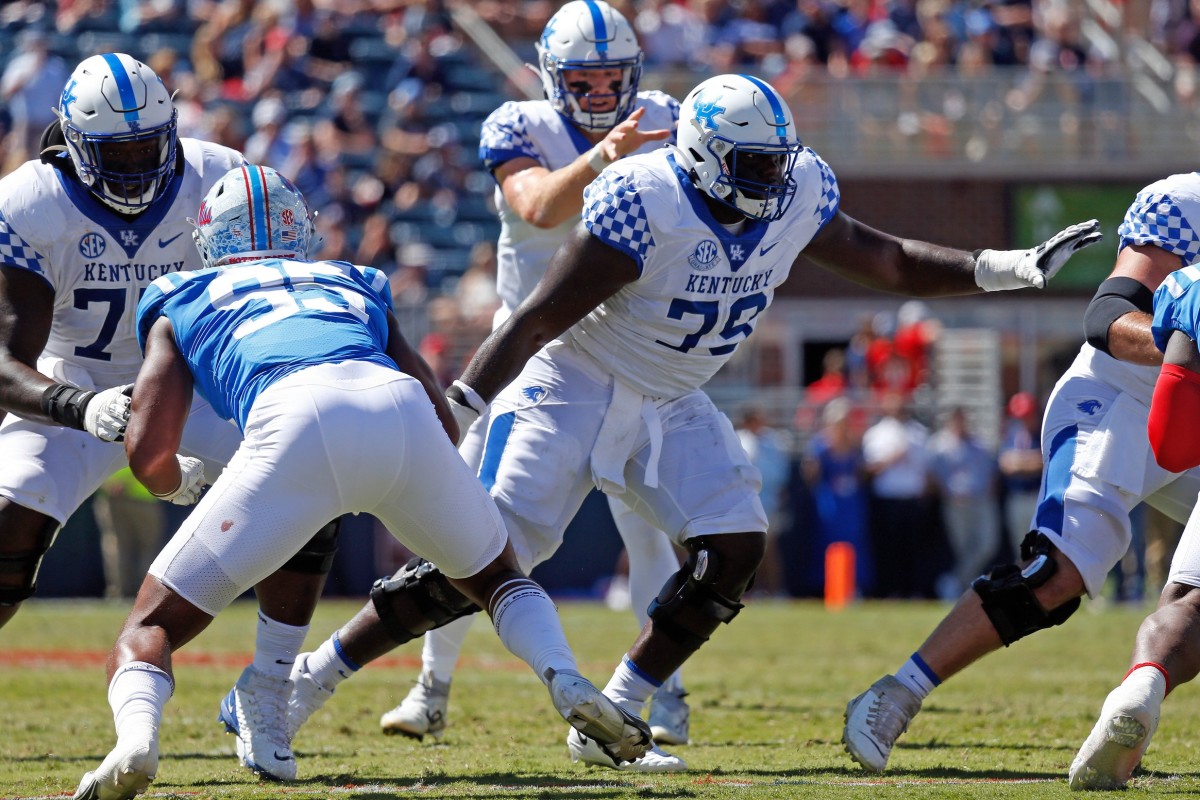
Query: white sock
[917, 677]
[439, 652]
[527, 623]
[276, 646]
[629, 687]
[137, 693]
[1149, 680]
[329, 665]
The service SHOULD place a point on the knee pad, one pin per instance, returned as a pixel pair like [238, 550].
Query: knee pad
[689, 608]
[316, 556]
[1008, 597]
[25, 564]
[418, 598]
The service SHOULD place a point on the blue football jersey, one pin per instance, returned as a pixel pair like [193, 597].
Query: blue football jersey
[1177, 306]
[242, 328]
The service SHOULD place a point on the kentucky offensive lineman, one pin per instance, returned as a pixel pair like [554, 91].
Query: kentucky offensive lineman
[543, 154]
[84, 230]
[340, 415]
[677, 254]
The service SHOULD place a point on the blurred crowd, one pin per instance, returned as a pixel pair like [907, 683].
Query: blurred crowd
[373, 107]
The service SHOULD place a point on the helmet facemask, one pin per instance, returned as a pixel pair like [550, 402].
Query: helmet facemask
[755, 179]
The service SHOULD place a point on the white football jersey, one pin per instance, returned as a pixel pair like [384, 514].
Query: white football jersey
[99, 262]
[701, 288]
[533, 129]
[1165, 214]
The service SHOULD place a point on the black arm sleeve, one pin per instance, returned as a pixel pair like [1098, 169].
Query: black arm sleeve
[1114, 298]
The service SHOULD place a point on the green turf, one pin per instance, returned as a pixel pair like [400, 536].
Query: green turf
[767, 695]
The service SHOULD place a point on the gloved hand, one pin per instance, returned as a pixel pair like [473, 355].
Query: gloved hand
[997, 270]
[191, 481]
[107, 413]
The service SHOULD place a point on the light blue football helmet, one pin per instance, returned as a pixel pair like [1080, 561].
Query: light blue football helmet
[253, 213]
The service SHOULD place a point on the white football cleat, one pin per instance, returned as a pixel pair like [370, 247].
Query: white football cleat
[588, 751]
[620, 734]
[669, 717]
[1120, 737]
[875, 719]
[306, 698]
[124, 773]
[256, 711]
[422, 712]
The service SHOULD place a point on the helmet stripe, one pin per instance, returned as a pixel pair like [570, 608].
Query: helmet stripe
[599, 26]
[776, 109]
[256, 196]
[124, 86]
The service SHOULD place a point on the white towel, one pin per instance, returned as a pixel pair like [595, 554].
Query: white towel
[618, 435]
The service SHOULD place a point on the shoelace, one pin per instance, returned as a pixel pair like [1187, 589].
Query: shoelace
[886, 719]
[267, 710]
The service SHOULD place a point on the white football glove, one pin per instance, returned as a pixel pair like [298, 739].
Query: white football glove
[466, 405]
[107, 413]
[191, 482]
[997, 270]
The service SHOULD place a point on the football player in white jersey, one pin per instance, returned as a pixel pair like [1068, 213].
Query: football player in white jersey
[84, 229]
[1164, 652]
[542, 154]
[1099, 466]
[595, 380]
[340, 416]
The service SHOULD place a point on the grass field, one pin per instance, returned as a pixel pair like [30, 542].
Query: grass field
[768, 694]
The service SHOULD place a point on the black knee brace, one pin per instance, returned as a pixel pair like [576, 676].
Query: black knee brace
[689, 609]
[418, 598]
[1007, 592]
[316, 557]
[26, 565]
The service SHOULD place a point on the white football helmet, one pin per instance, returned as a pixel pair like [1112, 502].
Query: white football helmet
[253, 213]
[589, 34]
[738, 143]
[119, 124]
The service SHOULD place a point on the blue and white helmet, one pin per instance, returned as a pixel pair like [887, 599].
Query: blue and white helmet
[253, 213]
[120, 127]
[738, 142]
[589, 34]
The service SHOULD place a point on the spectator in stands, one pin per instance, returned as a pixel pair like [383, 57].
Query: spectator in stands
[267, 145]
[836, 475]
[964, 474]
[133, 527]
[29, 87]
[916, 333]
[832, 382]
[897, 460]
[768, 451]
[672, 33]
[344, 129]
[1020, 461]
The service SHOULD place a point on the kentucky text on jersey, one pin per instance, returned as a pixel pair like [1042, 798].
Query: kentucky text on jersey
[728, 284]
[99, 272]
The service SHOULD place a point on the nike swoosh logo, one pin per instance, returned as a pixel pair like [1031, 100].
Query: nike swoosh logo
[165, 242]
[283, 757]
[762, 251]
[285, 663]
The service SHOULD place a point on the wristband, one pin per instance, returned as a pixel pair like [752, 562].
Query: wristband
[474, 401]
[65, 404]
[597, 160]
